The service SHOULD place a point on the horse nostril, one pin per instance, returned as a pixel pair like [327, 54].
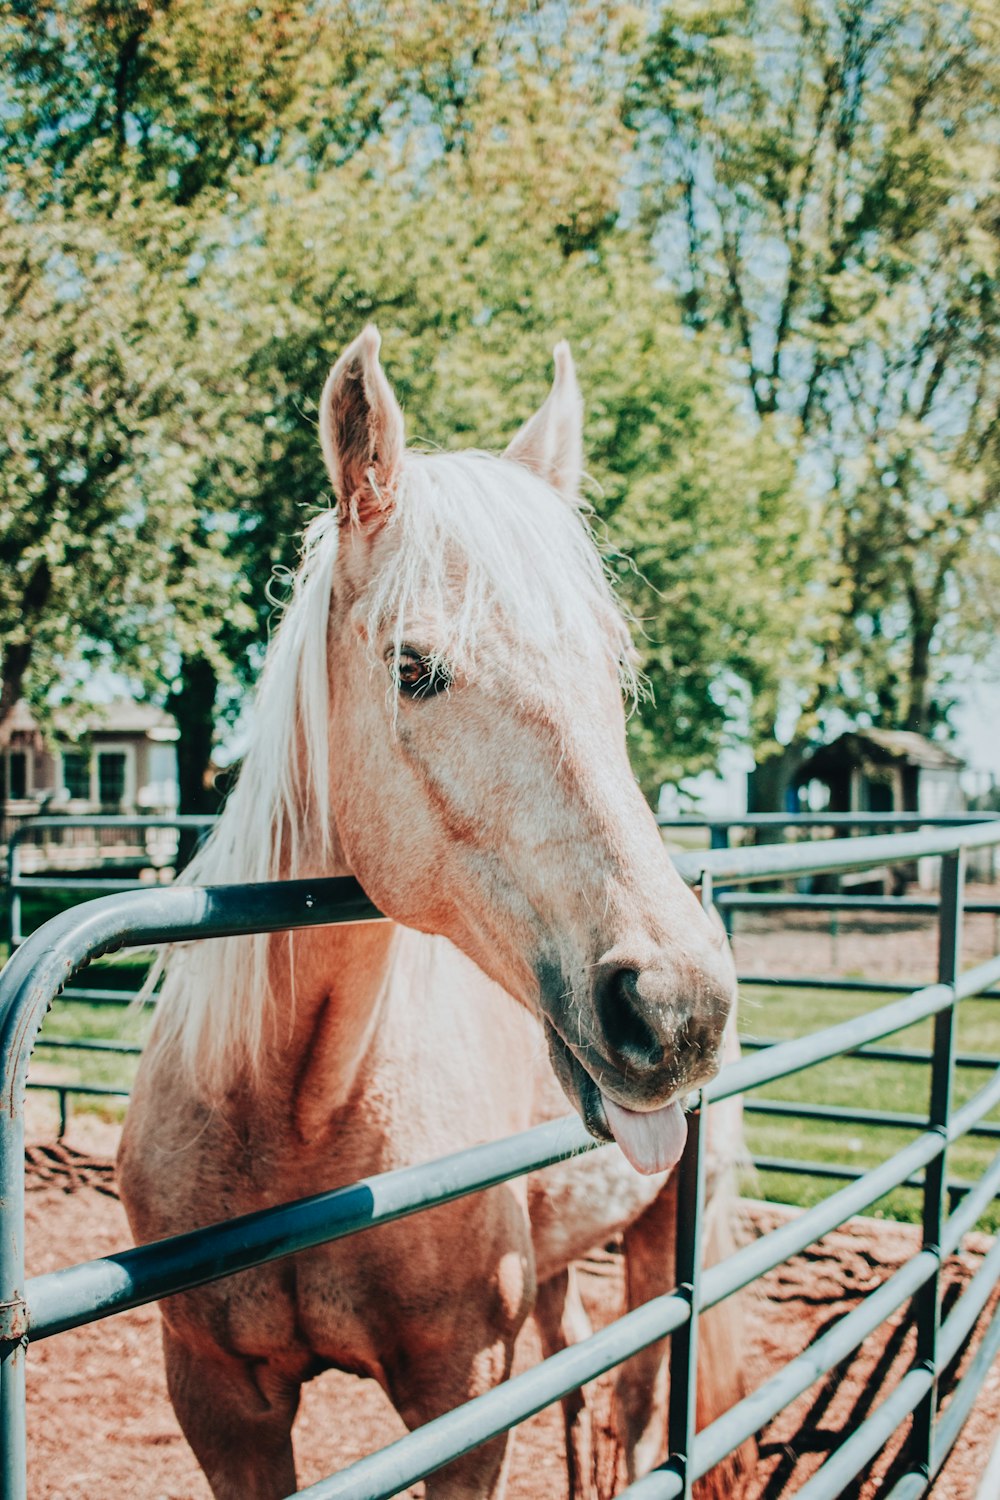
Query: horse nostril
[628, 1034]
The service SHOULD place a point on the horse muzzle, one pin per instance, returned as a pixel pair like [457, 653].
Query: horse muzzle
[635, 1042]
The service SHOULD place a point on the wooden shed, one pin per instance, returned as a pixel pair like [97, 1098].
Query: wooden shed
[881, 771]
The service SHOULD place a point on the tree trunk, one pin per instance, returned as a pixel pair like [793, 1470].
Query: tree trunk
[193, 706]
[17, 659]
[15, 663]
[769, 785]
[918, 706]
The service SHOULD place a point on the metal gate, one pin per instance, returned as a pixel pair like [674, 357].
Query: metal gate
[47, 1305]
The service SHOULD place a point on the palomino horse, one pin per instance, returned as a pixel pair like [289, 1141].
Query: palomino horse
[441, 716]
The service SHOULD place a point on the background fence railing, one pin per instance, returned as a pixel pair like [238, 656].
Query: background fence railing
[46, 1305]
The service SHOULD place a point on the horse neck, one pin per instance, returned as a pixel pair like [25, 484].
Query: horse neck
[329, 986]
[334, 983]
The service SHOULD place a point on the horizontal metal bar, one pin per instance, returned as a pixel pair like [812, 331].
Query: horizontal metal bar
[840, 1115]
[57, 950]
[103, 1090]
[962, 1120]
[963, 1397]
[783, 1058]
[829, 820]
[864, 986]
[104, 997]
[961, 1320]
[113, 820]
[761, 1256]
[826, 856]
[885, 1054]
[94, 1289]
[870, 1438]
[88, 1044]
[794, 1166]
[75, 883]
[780, 901]
[912, 1486]
[762, 1405]
[973, 1205]
[392, 1469]
[778, 1061]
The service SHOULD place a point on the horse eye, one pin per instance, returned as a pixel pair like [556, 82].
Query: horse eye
[418, 676]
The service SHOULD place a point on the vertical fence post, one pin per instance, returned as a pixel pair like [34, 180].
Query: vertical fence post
[719, 837]
[928, 1301]
[14, 888]
[682, 1410]
[13, 1335]
[684, 1341]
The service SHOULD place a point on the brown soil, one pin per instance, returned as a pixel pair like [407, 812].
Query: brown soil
[100, 1423]
[894, 947]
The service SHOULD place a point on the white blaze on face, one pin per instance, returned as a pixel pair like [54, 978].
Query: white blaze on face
[652, 1140]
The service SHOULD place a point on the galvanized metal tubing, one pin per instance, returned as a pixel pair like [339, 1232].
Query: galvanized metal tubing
[50, 1304]
[16, 882]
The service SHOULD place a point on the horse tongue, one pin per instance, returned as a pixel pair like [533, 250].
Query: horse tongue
[651, 1140]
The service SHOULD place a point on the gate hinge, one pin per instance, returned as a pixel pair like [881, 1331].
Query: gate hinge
[13, 1321]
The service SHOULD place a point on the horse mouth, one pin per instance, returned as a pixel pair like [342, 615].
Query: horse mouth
[578, 1085]
[651, 1140]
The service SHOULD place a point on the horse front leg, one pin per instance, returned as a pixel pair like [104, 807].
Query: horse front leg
[237, 1416]
[641, 1387]
[426, 1383]
[562, 1320]
[641, 1392]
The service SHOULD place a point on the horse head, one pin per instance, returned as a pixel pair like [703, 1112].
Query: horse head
[479, 784]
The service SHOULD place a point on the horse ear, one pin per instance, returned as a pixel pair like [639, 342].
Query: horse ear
[550, 443]
[361, 431]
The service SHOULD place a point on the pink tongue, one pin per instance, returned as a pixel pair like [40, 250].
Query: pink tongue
[652, 1140]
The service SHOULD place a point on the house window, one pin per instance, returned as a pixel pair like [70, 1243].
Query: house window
[111, 771]
[17, 774]
[76, 775]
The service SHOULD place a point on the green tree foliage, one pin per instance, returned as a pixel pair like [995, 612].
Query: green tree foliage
[234, 192]
[822, 178]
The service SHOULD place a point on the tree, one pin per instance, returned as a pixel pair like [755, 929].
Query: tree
[714, 546]
[822, 177]
[460, 184]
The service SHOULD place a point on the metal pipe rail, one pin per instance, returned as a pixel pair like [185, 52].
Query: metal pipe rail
[97, 822]
[828, 820]
[46, 962]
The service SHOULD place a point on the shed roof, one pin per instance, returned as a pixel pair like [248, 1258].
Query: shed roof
[860, 747]
[915, 749]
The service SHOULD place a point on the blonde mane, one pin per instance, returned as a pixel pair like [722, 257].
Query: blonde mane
[518, 550]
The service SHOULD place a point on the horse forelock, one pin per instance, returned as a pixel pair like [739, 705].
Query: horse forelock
[470, 539]
[475, 541]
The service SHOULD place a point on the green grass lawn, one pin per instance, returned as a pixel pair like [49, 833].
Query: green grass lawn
[79, 1021]
[862, 1084]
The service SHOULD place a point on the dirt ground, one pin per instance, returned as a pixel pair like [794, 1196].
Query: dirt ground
[100, 1423]
[888, 946]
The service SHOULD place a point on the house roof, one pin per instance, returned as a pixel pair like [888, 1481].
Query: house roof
[19, 726]
[19, 719]
[120, 716]
[124, 716]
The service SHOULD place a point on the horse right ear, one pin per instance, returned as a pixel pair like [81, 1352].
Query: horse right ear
[361, 431]
[550, 443]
